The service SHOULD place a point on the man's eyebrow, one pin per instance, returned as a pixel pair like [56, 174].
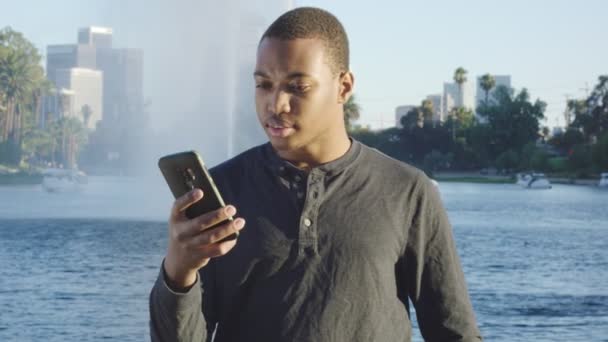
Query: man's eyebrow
[296, 74]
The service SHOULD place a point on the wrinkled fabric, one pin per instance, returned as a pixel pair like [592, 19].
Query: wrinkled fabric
[332, 254]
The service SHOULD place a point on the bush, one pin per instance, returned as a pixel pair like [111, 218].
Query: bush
[579, 160]
[558, 164]
[600, 153]
[539, 161]
[435, 161]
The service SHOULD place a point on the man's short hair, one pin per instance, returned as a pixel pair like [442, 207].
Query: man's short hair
[310, 22]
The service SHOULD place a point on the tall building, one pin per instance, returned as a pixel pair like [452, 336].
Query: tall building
[451, 97]
[86, 85]
[100, 37]
[121, 74]
[123, 98]
[103, 87]
[400, 112]
[69, 56]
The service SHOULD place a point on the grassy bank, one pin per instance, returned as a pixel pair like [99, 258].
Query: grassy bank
[483, 180]
[20, 178]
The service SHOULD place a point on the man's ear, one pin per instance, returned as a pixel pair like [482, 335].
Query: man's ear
[347, 84]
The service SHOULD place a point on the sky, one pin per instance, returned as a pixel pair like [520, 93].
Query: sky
[401, 51]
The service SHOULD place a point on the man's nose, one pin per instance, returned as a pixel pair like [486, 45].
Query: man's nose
[279, 103]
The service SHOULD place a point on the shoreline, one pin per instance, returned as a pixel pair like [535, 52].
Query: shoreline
[20, 178]
[25, 178]
[475, 178]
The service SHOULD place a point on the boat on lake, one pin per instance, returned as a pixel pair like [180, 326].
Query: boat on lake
[603, 180]
[63, 180]
[533, 180]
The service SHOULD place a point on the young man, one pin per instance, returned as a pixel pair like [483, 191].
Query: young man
[338, 235]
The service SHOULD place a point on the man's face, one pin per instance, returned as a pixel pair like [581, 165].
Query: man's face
[297, 96]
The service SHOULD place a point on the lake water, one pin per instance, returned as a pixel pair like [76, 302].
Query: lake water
[80, 267]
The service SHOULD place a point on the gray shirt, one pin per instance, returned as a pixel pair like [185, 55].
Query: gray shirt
[332, 254]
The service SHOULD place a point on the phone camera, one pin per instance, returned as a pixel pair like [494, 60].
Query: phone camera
[189, 177]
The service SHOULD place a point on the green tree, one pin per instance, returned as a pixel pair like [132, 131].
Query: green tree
[507, 161]
[413, 118]
[70, 136]
[527, 153]
[487, 82]
[540, 160]
[513, 120]
[464, 117]
[436, 161]
[598, 102]
[600, 153]
[565, 141]
[21, 78]
[591, 114]
[352, 112]
[427, 110]
[579, 160]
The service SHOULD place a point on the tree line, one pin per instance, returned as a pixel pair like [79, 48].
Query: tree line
[505, 135]
[24, 141]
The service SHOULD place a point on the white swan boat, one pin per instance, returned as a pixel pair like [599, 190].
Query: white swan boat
[533, 181]
[63, 180]
[603, 180]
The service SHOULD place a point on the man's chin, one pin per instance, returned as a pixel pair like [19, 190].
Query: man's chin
[283, 144]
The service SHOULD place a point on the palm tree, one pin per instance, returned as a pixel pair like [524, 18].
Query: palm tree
[352, 112]
[87, 112]
[460, 77]
[72, 135]
[20, 75]
[427, 109]
[487, 82]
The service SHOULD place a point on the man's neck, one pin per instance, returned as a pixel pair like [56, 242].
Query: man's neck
[318, 154]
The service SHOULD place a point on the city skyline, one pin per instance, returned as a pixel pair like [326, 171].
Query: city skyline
[408, 50]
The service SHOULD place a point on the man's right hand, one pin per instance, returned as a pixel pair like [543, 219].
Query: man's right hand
[192, 244]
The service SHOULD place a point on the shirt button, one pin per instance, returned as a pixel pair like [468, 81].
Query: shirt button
[307, 222]
[300, 195]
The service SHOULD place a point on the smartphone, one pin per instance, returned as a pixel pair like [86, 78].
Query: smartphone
[186, 171]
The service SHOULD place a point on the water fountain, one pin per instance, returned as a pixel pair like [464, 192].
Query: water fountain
[198, 64]
[199, 58]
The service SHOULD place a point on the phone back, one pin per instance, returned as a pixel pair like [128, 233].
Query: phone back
[185, 171]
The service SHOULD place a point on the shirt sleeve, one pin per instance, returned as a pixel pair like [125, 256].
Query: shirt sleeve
[181, 316]
[432, 273]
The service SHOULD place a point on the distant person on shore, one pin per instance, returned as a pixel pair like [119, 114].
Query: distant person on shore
[339, 236]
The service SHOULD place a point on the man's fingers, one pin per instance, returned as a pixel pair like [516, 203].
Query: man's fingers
[217, 249]
[185, 201]
[212, 218]
[219, 233]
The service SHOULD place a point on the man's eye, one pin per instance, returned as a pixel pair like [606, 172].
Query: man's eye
[298, 88]
[263, 85]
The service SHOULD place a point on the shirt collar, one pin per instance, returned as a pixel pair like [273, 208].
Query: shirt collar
[284, 168]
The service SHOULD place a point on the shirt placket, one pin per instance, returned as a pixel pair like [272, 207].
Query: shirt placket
[308, 229]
